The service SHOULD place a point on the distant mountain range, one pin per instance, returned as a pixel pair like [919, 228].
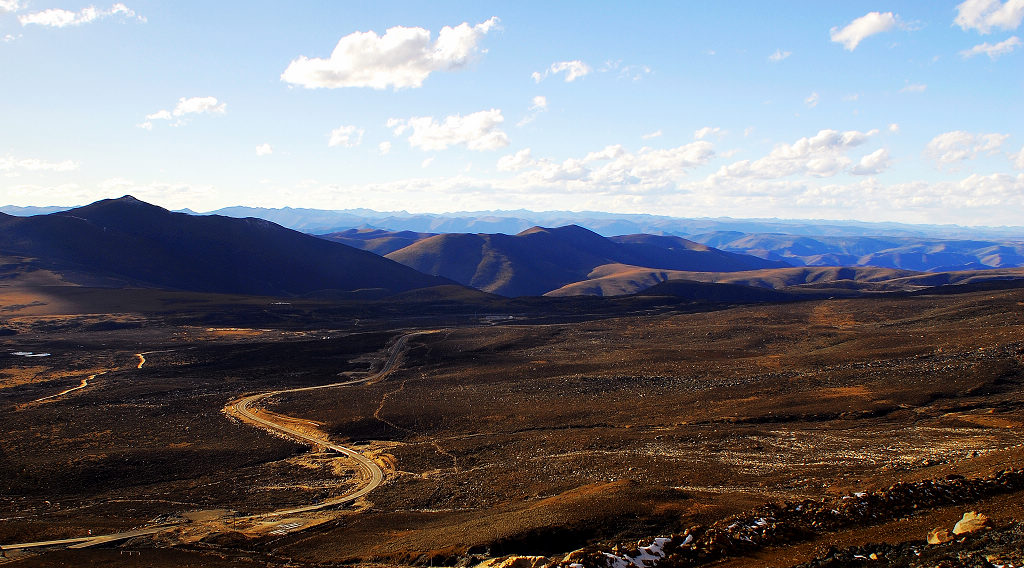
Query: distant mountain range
[539, 260]
[321, 221]
[125, 242]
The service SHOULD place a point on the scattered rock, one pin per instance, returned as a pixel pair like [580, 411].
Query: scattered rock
[939, 536]
[516, 562]
[971, 522]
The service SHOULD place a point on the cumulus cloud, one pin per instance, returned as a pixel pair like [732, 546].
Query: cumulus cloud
[874, 163]
[956, 146]
[264, 149]
[611, 168]
[1018, 160]
[9, 6]
[426, 163]
[985, 15]
[821, 155]
[650, 135]
[346, 136]
[515, 162]
[863, 27]
[779, 55]
[58, 18]
[12, 165]
[812, 100]
[477, 131]
[384, 148]
[401, 58]
[894, 128]
[573, 70]
[186, 106]
[993, 51]
[702, 133]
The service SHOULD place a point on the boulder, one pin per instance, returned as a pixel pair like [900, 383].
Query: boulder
[971, 522]
[939, 536]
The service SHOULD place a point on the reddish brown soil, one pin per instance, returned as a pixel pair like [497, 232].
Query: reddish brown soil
[518, 438]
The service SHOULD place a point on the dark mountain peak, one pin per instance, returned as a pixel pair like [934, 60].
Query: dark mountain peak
[113, 208]
[126, 240]
[564, 231]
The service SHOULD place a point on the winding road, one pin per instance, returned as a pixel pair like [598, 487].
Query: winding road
[82, 385]
[244, 410]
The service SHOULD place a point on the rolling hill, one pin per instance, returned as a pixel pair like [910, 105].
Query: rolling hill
[126, 242]
[539, 259]
[378, 241]
[622, 279]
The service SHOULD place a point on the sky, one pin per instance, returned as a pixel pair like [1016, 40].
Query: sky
[874, 111]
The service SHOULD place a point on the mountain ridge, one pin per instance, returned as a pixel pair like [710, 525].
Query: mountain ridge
[125, 241]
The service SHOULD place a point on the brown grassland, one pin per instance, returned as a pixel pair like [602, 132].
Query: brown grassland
[512, 438]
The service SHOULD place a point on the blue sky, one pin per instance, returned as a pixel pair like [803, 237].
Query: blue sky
[897, 111]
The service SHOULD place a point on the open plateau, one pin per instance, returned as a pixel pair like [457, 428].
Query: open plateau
[204, 390]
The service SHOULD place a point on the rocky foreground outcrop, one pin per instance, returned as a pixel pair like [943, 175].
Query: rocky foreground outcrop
[790, 522]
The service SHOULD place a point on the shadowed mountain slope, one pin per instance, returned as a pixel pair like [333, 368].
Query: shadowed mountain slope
[621, 279]
[128, 242]
[538, 260]
[377, 241]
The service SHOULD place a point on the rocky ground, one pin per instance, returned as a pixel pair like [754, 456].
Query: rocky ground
[861, 422]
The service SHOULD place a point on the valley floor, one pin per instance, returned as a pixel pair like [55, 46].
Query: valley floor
[516, 438]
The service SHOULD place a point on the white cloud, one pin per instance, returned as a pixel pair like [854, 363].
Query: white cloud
[993, 51]
[199, 105]
[515, 162]
[346, 137]
[426, 163]
[863, 27]
[477, 131]
[58, 18]
[874, 163]
[1018, 160]
[11, 165]
[573, 70]
[779, 55]
[401, 58]
[812, 100]
[702, 133]
[538, 105]
[958, 145]
[631, 72]
[9, 6]
[611, 169]
[894, 128]
[821, 155]
[384, 148]
[185, 107]
[650, 135]
[914, 88]
[984, 15]
[264, 149]
[8, 38]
